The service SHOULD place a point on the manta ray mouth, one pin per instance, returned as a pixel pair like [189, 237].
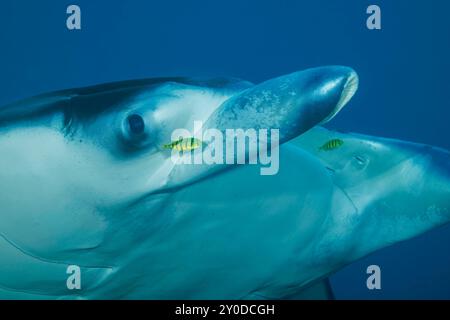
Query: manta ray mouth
[348, 91]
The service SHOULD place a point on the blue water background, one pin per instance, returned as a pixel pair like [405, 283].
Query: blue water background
[404, 77]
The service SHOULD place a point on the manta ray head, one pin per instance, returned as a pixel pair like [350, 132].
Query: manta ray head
[398, 189]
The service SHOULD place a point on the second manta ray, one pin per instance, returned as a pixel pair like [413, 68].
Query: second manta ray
[86, 182]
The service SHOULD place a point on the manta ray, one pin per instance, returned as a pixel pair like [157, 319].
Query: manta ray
[85, 182]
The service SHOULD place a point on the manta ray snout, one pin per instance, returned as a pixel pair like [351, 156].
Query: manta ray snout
[342, 85]
[292, 103]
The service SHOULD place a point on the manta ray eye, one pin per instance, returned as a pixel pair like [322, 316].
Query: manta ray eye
[136, 124]
[136, 131]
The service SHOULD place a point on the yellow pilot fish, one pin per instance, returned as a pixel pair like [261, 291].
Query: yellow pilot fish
[184, 144]
[331, 144]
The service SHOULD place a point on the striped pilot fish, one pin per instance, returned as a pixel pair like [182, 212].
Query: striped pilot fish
[184, 144]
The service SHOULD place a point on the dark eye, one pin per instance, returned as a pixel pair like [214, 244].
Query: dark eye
[136, 124]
